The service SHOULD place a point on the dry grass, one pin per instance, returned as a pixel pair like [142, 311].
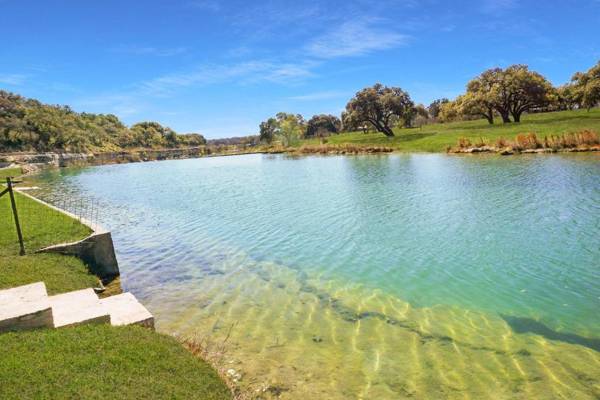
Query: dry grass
[572, 140]
[584, 140]
[214, 353]
[501, 143]
[341, 149]
[464, 143]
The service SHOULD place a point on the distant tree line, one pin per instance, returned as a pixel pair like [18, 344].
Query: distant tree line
[29, 125]
[239, 141]
[505, 94]
[496, 94]
[288, 128]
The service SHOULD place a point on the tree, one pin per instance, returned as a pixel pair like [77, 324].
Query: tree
[473, 104]
[417, 116]
[527, 90]
[434, 107]
[567, 97]
[511, 91]
[586, 87]
[350, 122]
[285, 127]
[486, 93]
[153, 134]
[449, 111]
[323, 125]
[380, 105]
[267, 130]
[290, 129]
[27, 124]
[192, 139]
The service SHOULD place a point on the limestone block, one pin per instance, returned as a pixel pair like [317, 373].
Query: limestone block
[25, 307]
[78, 307]
[125, 309]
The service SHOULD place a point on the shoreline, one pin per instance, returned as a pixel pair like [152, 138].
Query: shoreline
[508, 151]
[110, 285]
[34, 162]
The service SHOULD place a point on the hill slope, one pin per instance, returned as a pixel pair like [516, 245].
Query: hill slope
[437, 137]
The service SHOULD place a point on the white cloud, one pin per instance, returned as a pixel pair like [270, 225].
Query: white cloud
[209, 5]
[498, 6]
[355, 38]
[149, 50]
[332, 94]
[243, 73]
[13, 79]
[137, 98]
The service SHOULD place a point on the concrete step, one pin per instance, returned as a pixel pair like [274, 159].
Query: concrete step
[124, 309]
[78, 307]
[25, 307]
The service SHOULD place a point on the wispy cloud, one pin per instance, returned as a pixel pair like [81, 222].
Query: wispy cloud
[326, 95]
[136, 98]
[13, 79]
[498, 6]
[209, 5]
[355, 38]
[241, 73]
[149, 50]
[123, 105]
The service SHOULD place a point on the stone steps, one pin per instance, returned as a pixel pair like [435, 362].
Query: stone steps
[78, 307]
[29, 307]
[25, 307]
[125, 309]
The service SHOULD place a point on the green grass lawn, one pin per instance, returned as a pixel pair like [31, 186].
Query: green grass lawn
[41, 227]
[87, 362]
[437, 137]
[4, 172]
[103, 362]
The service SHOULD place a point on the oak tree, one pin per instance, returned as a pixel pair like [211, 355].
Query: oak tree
[380, 106]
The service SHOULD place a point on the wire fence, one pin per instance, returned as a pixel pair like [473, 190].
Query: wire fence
[83, 210]
[28, 225]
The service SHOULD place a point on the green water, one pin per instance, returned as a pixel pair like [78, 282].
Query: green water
[423, 276]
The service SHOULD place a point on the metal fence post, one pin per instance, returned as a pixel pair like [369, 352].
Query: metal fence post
[9, 184]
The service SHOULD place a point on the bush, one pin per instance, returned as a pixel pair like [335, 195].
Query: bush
[502, 143]
[464, 143]
[527, 141]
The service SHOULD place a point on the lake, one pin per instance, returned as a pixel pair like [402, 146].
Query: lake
[375, 277]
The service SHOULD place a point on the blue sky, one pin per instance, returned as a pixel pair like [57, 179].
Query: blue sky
[220, 67]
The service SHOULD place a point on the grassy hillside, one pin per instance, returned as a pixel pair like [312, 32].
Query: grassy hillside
[29, 125]
[437, 137]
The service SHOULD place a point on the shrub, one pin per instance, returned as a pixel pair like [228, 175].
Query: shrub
[464, 143]
[527, 141]
[588, 137]
[502, 143]
[481, 142]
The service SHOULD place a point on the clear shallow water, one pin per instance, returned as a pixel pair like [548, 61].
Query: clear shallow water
[368, 277]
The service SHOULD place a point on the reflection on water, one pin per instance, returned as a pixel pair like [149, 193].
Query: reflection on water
[369, 277]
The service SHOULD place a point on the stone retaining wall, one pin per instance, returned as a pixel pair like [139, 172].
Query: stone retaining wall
[34, 161]
[96, 250]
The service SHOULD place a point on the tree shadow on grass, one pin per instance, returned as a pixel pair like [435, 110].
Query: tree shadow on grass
[527, 122]
[409, 137]
[529, 325]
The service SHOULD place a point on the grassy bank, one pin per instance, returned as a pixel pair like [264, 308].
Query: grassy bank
[99, 362]
[94, 361]
[438, 137]
[41, 227]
